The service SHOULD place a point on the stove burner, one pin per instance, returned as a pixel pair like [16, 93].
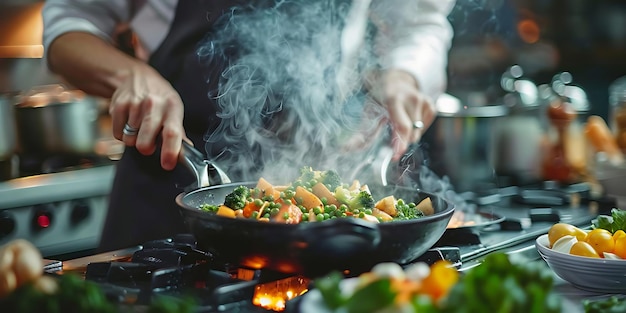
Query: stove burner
[176, 269]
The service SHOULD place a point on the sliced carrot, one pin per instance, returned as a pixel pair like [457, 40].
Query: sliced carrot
[426, 206]
[356, 185]
[387, 205]
[226, 211]
[294, 214]
[267, 189]
[309, 200]
[381, 215]
[321, 191]
[249, 208]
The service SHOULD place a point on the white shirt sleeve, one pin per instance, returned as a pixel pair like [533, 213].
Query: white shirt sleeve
[99, 17]
[150, 19]
[415, 36]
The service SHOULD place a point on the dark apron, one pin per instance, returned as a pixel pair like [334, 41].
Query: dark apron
[142, 202]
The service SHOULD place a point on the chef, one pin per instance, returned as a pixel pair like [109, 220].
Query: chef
[161, 95]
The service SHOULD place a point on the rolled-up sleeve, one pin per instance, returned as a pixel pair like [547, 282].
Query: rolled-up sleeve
[98, 17]
[415, 36]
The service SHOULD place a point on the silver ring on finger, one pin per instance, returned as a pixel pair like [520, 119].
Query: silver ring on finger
[418, 125]
[130, 131]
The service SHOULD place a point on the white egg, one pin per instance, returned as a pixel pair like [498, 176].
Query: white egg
[612, 256]
[564, 244]
[388, 270]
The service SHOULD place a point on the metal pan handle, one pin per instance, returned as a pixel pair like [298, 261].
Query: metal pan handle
[342, 238]
[199, 167]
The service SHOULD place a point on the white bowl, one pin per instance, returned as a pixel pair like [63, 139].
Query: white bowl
[591, 274]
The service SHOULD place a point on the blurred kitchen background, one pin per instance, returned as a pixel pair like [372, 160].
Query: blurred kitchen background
[508, 58]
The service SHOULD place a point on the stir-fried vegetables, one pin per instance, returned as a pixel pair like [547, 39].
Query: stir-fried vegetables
[499, 284]
[315, 196]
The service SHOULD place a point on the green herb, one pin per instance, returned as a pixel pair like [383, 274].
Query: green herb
[499, 285]
[612, 223]
[77, 295]
[614, 304]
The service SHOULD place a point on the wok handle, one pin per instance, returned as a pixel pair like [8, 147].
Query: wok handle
[339, 239]
[199, 167]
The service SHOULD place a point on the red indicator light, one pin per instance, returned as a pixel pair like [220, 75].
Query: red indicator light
[43, 221]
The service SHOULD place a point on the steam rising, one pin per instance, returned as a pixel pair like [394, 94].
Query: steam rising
[289, 98]
[280, 98]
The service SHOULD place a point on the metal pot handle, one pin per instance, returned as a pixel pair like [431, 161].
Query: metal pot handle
[199, 167]
[338, 239]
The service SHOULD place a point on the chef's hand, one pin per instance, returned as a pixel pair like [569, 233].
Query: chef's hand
[20, 262]
[147, 104]
[406, 104]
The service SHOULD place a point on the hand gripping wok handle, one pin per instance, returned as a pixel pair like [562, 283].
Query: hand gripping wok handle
[340, 238]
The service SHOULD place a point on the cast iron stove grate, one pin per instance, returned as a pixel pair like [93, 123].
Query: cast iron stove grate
[176, 269]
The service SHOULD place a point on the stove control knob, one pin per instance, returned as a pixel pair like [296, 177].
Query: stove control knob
[42, 218]
[80, 212]
[7, 224]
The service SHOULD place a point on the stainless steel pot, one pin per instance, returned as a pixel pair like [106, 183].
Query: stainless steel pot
[53, 120]
[8, 136]
[462, 140]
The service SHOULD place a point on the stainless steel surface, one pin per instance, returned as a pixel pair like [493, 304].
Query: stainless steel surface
[75, 202]
[461, 141]
[380, 164]
[8, 136]
[53, 120]
[195, 162]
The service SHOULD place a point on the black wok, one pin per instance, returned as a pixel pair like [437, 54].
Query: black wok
[313, 248]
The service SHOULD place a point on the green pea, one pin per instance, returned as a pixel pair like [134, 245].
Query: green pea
[267, 215]
[362, 215]
[368, 211]
[258, 202]
[274, 211]
[254, 215]
[317, 210]
[319, 217]
[286, 215]
[324, 200]
[326, 216]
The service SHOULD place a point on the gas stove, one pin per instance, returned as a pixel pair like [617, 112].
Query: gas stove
[176, 267]
[58, 203]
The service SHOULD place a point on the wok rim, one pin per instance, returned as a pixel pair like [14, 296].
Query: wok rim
[446, 213]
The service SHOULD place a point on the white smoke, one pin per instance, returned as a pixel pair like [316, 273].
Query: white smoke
[280, 103]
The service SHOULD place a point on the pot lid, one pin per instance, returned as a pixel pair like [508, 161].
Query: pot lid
[41, 96]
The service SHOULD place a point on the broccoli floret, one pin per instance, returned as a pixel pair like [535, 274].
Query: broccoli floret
[343, 195]
[208, 207]
[307, 174]
[355, 200]
[331, 179]
[362, 200]
[236, 200]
